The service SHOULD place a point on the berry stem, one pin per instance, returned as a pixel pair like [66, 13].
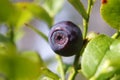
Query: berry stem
[76, 65]
[37, 31]
[61, 67]
[75, 68]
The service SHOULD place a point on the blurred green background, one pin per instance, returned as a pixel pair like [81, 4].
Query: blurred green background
[32, 41]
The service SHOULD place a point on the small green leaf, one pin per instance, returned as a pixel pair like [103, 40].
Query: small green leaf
[47, 74]
[115, 77]
[52, 6]
[77, 4]
[6, 10]
[6, 47]
[34, 56]
[31, 68]
[37, 31]
[21, 15]
[24, 66]
[100, 58]
[36, 10]
[24, 12]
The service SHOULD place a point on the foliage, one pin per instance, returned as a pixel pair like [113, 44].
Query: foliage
[99, 54]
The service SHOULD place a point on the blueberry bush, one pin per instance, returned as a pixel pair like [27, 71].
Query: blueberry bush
[97, 56]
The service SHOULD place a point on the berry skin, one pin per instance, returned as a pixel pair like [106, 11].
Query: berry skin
[65, 38]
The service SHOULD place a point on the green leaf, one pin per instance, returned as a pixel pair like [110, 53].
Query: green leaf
[22, 68]
[47, 74]
[77, 4]
[6, 10]
[6, 47]
[20, 17]
[110, 13]
[38, 31]
[115, 77]
[24, 12]
[100, 58]
[34, 56]
[25, 66]
[12, 15]
[37, 11]
[52, 6]
[28, 65]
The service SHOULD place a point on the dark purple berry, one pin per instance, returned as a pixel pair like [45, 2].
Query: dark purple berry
[65, 38]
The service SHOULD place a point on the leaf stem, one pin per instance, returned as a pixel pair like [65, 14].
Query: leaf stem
[11, 34]
[61, 67]
[86, 21]
[76, 64]
[72, 74]
[85, 24]
[116, 35]
[37, 31]
[50, 74]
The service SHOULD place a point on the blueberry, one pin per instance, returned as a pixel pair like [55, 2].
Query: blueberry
[65, 38]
